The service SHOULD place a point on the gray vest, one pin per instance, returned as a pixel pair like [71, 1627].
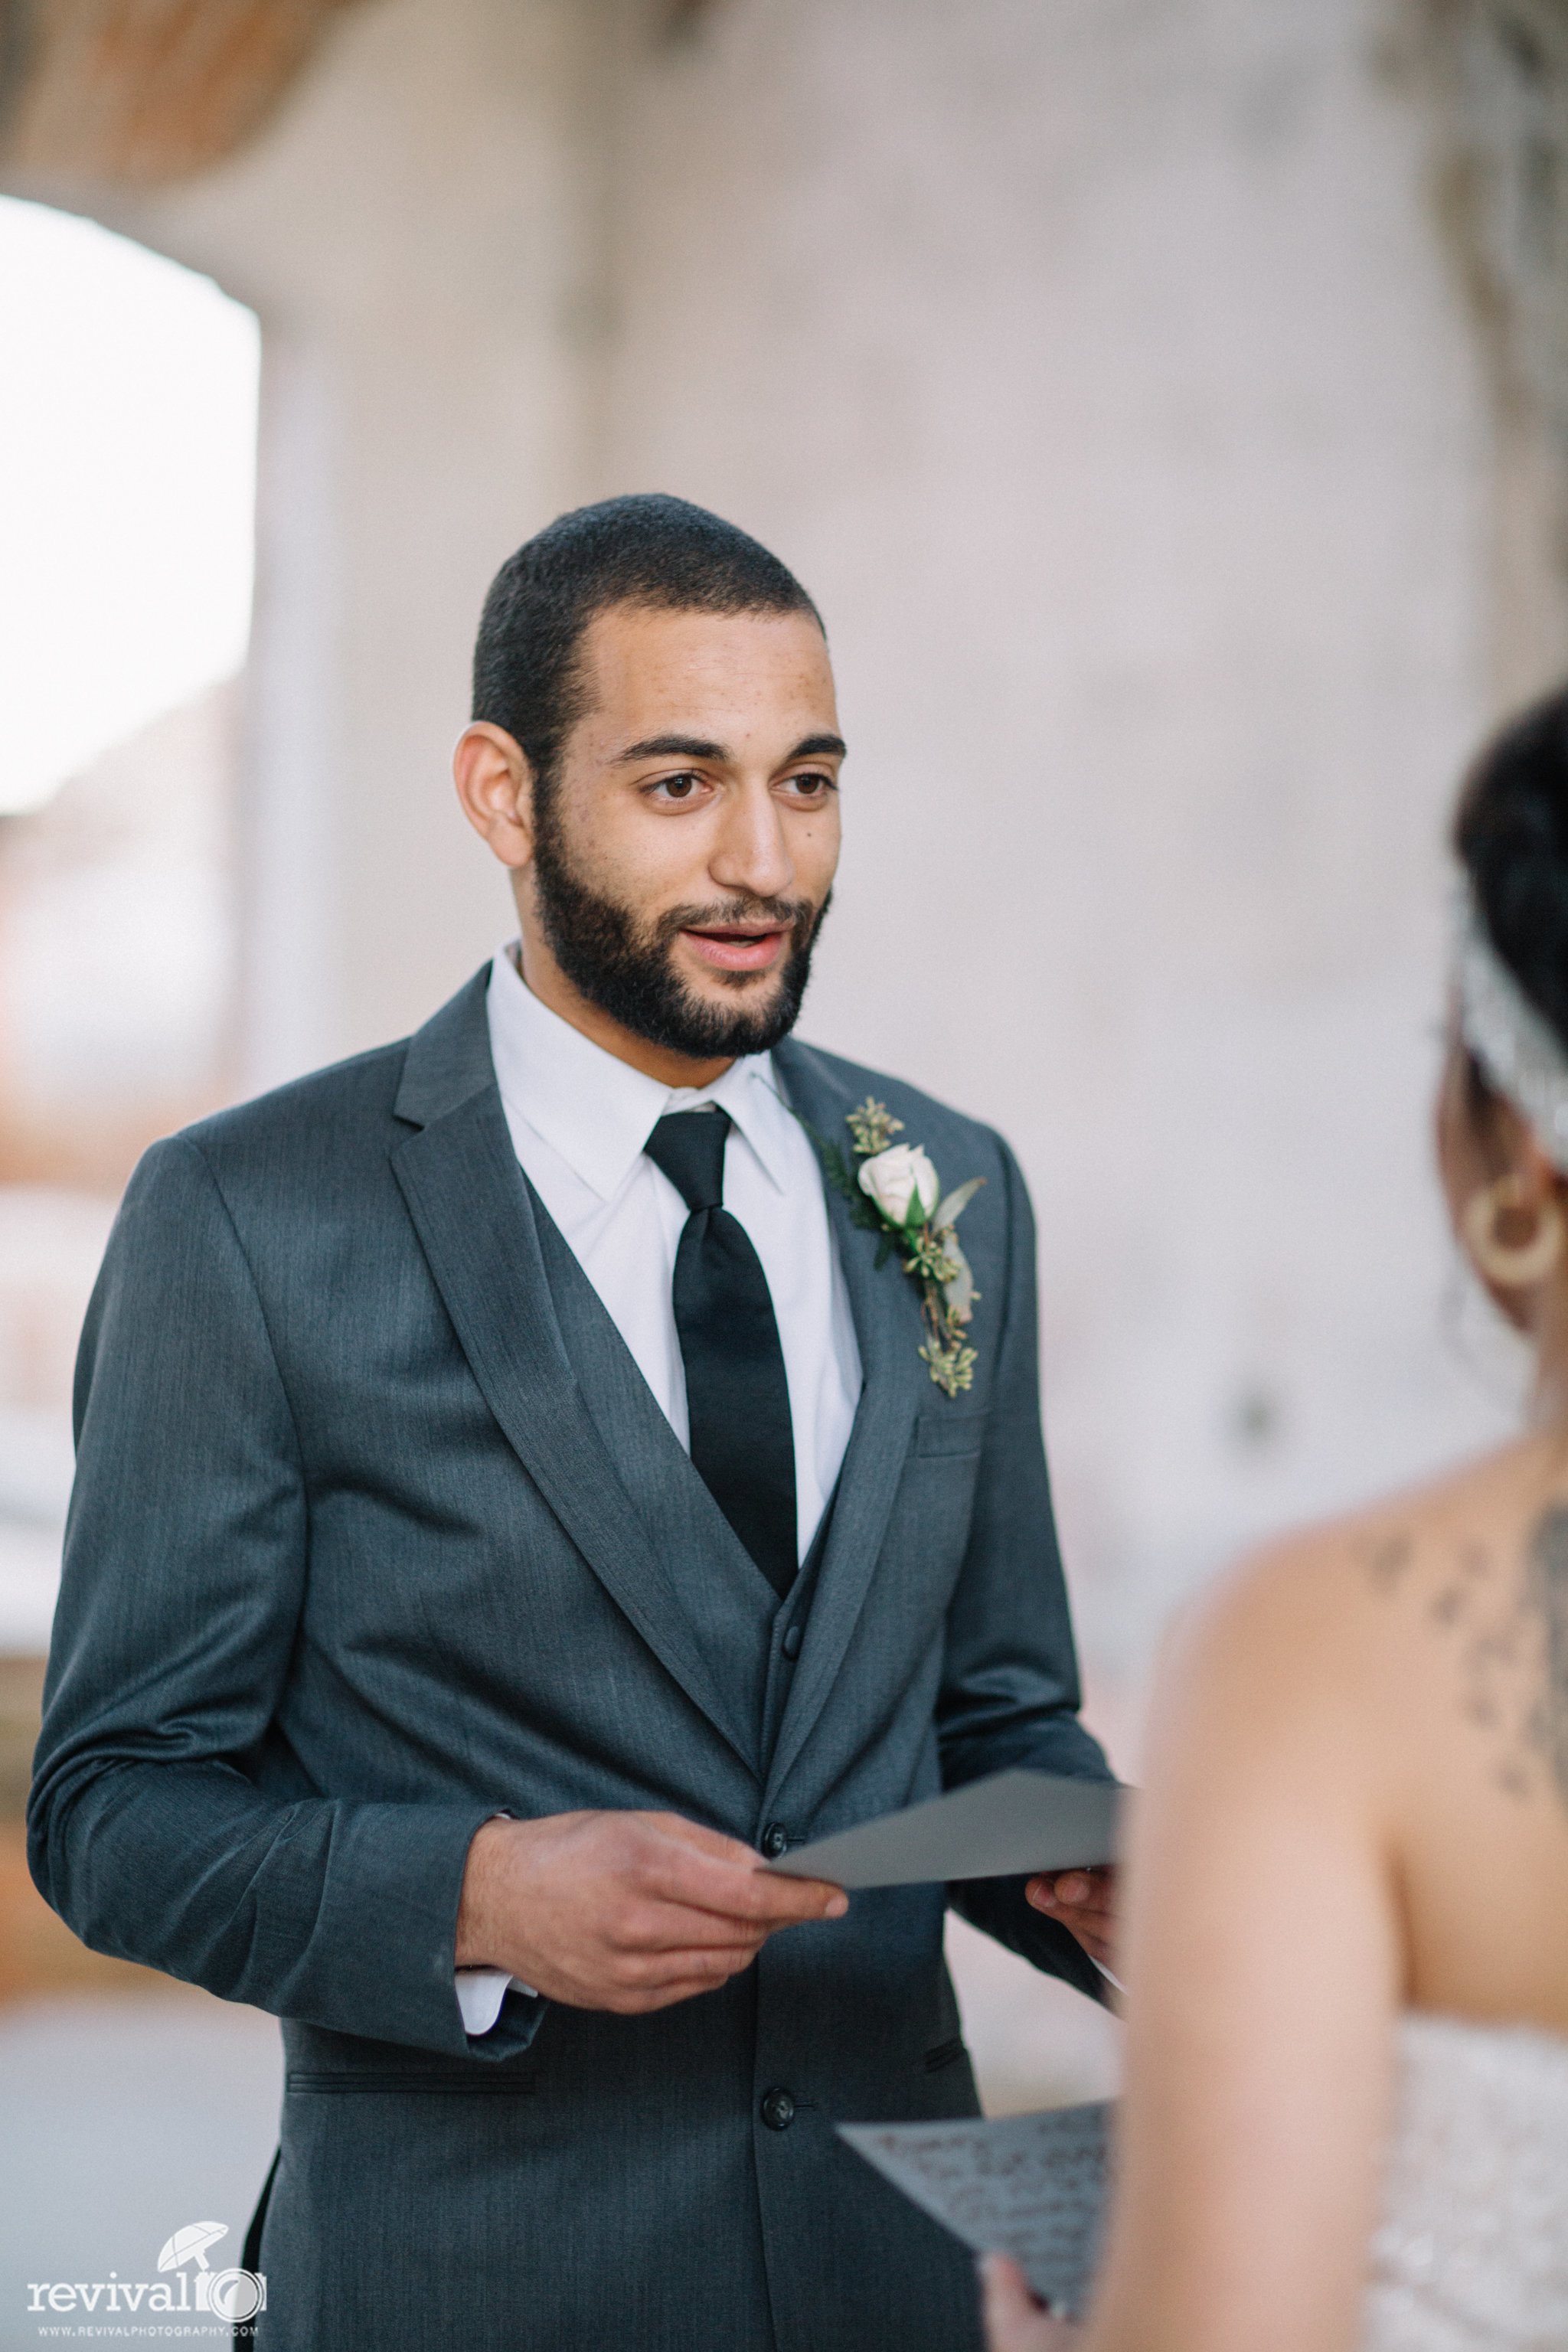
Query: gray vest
[739, 1624]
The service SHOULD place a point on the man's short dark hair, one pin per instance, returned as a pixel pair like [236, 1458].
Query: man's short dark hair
[649, 551]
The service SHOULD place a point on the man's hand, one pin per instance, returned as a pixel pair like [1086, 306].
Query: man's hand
[1013, 2320]
[628, 1912]
[1085, 1903]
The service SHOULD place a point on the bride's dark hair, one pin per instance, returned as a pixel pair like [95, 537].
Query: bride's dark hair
[1511, 832]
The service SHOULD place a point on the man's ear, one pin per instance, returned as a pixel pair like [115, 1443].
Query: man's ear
[495, 785]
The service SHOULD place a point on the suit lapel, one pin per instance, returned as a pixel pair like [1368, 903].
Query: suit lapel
[470, 1208]
[888, 1328]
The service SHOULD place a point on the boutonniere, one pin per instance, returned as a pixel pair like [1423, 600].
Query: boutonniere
[896, 1193]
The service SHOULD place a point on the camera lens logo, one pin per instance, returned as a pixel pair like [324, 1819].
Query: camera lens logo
[232, 2295]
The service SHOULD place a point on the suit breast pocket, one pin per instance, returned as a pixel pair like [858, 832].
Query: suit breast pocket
[954, 1432]
[933, 1509]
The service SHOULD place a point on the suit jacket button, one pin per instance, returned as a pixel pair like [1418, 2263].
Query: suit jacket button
[775, 1840]
[791, 1642]
[778, 2110]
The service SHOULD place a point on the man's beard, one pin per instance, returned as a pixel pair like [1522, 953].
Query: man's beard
[628, 970]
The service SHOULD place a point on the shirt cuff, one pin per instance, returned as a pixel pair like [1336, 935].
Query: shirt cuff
[481, 1992]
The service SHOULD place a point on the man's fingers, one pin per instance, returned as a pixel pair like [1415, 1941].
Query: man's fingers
[676, 1827]
[1086, 1890]
[1092, 1893]
[678, 1874]
[1013, 2320]
[709, 1964]
[649, 1926]
[781, 1900]
[632, 1982]
[625, 1910]
[1084, 1903]
[678, 1861]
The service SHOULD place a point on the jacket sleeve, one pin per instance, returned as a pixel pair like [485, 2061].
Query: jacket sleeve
[186, 1561]
[1009, 1691]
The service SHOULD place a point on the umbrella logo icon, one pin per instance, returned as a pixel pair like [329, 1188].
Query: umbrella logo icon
[194, 2239]
[232, 2295]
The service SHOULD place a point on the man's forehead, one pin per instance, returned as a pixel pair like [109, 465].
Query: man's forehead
[637, 661]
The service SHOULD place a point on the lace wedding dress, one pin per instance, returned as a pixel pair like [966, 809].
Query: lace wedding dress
[1472, 2252]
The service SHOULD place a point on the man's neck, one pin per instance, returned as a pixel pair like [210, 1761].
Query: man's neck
[543, 978]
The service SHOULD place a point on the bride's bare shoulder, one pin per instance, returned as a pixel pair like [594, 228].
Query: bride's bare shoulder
[1351, 1591]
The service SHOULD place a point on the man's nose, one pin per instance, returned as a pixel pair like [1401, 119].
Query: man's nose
[750, 853]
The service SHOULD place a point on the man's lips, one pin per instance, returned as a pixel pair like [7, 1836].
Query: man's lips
[735, 947]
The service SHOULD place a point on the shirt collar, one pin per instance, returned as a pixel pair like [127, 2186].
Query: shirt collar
[595, 1110]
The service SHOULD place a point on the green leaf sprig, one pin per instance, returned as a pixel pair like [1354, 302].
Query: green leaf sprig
[923, 1235]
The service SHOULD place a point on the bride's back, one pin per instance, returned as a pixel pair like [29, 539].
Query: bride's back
[1346, 2118]
[1456, 1608]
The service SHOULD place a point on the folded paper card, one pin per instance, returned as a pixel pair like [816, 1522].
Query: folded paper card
[1030, 2186]
[1013, 1822]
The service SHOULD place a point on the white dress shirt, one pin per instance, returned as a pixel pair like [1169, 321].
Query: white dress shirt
[578, 1119]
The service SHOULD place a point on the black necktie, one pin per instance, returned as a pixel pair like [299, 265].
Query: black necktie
[736, 1392]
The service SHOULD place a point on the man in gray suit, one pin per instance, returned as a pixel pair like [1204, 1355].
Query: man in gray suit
[513, 1488]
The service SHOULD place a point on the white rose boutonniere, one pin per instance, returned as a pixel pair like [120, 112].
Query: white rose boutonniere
[902, 1183]
[896, 1193]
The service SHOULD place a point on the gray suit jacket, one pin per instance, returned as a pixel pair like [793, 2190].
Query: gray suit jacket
[376, 1531]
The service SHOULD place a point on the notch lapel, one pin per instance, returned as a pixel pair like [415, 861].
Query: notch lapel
[470, 1208]
[888, 1328]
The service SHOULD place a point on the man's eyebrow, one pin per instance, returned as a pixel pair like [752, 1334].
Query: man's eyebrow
[694, 747]
[673, 747]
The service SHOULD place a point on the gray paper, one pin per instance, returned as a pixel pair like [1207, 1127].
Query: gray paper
[1030, 2186]
[1015, 1822]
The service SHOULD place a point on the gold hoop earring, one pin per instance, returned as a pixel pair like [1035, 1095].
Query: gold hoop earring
[1512, 1266]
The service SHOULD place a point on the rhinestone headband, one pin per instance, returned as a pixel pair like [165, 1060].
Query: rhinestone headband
[1515, 1046]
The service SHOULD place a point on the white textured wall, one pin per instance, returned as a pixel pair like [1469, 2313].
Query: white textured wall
[1099, 368]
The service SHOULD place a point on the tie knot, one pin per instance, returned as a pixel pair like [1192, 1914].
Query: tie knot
[688, 1147]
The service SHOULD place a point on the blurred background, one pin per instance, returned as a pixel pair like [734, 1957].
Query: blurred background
[1166, 401]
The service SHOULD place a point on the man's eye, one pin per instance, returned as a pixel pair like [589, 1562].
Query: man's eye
[810, 787]
[678, 788]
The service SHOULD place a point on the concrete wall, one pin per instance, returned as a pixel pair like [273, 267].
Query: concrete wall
[1104, 370]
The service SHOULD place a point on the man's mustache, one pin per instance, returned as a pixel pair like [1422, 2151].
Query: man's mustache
[797, 915]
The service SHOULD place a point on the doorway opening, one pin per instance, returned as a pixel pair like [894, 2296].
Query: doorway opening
[128, 425]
